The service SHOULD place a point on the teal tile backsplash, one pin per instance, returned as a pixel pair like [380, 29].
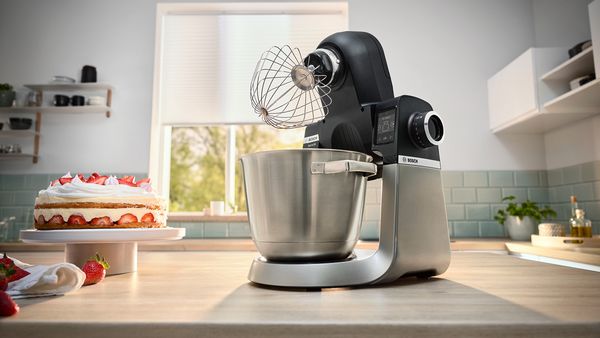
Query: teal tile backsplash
[527, 178]
[466, 229]
[501, 178]
[215, 230]
[478, 212]
[489, 195]
[472, 199]
[475, 179]
[464, 195]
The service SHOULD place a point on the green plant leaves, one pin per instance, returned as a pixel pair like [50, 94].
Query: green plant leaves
[527, 208]
[5, 87]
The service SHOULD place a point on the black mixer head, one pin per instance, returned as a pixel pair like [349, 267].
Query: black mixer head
[363, 115]
[354, 67]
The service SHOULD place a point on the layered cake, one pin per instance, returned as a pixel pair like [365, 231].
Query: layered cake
[98, 202]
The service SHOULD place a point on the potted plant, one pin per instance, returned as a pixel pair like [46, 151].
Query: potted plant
[7, 95]
[521, 220]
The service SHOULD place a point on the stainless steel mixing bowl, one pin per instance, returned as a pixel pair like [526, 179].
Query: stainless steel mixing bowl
[306, 204]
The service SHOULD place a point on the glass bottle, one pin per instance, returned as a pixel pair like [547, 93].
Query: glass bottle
[580, 226]
[573, 219]
[573, 206]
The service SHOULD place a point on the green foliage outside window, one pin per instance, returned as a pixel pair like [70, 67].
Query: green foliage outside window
[198, 161]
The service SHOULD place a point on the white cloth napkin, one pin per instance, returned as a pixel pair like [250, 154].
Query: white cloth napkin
[46, 280]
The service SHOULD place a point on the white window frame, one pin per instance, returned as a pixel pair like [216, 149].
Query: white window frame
[160, 135]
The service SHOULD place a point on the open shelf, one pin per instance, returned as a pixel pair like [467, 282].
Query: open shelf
[580, 65]
[537, 122]
[59, 110]
[39, 109]
[17, 133]
[19, 157]
[70, 87]
[574, 105]
[532, 94]
[585, 99]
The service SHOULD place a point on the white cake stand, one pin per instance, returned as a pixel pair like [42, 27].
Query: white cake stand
[118, 246]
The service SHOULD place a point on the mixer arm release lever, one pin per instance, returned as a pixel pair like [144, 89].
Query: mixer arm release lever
[343, 166]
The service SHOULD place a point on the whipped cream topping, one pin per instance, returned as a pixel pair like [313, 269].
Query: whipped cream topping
[79, 189]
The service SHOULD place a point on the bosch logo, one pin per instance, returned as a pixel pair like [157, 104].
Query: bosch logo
[419, 162]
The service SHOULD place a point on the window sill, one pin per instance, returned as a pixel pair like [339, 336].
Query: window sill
[201, 217]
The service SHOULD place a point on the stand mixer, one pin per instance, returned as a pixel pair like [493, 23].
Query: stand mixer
[342, 92]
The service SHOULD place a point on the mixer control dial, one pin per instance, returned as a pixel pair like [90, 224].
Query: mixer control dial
[425, 129]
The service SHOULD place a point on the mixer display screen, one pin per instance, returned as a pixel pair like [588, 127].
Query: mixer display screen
[386, 125]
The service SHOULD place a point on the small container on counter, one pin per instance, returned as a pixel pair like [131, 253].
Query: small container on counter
[551, 229]
[580, 226]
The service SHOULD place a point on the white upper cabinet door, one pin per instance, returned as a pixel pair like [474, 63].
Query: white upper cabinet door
[512, 91]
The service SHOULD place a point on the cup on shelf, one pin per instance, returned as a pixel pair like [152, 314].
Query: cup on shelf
[77, 100]
[20, 123]
[21, 98]
[96, 101]
[217, 208]
[33, 99]
[61, 100]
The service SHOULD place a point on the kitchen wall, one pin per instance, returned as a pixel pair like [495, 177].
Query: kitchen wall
[442, 51]
[573, 144]
[560, 23]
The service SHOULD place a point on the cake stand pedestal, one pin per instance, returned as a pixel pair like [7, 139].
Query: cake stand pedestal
[118, 246]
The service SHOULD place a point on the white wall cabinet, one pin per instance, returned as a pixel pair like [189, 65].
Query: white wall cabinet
[532, 94]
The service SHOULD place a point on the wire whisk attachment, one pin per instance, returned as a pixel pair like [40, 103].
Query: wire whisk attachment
[285, 92]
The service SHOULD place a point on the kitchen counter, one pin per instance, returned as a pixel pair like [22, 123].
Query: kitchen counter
[587, 256]
[243, 244]
[206, 294]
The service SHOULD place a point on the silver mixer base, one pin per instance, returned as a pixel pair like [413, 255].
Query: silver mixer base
[413, 239]
[354, 271]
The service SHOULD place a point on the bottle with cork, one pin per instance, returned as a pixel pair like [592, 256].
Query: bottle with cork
[580, 226]
[572, 219]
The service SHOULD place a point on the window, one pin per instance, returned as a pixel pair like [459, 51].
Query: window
[198, 162]
[202, 120]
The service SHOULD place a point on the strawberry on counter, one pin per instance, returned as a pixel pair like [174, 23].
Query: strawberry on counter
[95, 269]
[8, 307]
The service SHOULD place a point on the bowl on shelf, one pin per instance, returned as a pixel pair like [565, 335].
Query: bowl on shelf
[96, 101]
[18, 123]
[62, 79]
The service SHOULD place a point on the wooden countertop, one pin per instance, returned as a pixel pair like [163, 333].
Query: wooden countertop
[242, 244]
[580, 255]
[206, 294]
